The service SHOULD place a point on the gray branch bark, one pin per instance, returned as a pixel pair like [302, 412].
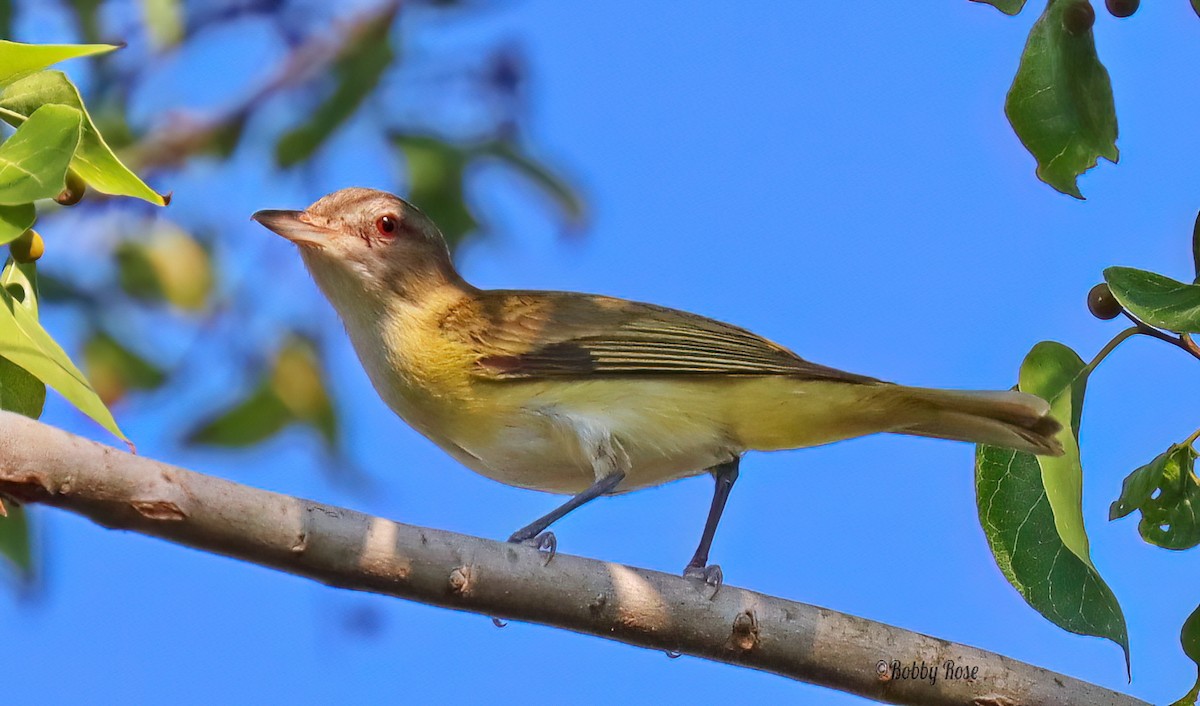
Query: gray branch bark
[348, 549]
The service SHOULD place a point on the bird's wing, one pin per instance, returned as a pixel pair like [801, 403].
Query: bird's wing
[537, 335]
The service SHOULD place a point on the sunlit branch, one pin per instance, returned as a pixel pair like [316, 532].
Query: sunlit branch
[348, 549]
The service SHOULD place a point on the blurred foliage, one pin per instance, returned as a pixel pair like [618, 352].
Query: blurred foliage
[291, 391]
[148, 272]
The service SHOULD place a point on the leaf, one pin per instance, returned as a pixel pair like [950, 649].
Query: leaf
[1196, 244]
[1196, 7]
[1189, 638]
[357, 70]
[114, 370]
[1030, 510]
[1057, 374]
[168, 265]
[257, 418]
[293, 391]
[24, 342]
[435, 183]
[19, 60]
[1060, 103]
[1170, 516]
[15, 220]
[1008, 7]
[550, 183]
[20, 392]
[164, 22]
[1159, 301]
[297, 381]
[33, 162]
[94, 160]
[14, 540]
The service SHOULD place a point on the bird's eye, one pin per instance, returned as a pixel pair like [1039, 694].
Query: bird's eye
[386, 225]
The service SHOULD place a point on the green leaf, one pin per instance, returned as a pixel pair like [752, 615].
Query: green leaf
[87, 16]
[1060, 103]
[1170, 516]
[1058, 375]
[1008, 7]
[357, 70]
[94, 160]
[19, 60]
[1030, 510]
[1196, 7]
[257, 418]
[1196, 244]
[33, 162]
[293, 391]
[1189, 638]
[24, 342]
[15, 220]
[20, 392]
[114, 369]
[551, 184]
[14, 539]
[435, 183]
[1159, 301]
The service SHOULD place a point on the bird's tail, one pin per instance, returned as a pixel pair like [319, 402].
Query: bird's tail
[1014, 420]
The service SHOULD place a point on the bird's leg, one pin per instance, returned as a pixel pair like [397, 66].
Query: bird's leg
[534, 533]
[724, 475]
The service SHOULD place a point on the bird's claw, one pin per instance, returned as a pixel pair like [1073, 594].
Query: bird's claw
[545, 542]
[710, 575]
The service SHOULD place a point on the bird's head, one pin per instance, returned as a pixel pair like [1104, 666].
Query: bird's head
[363, 242]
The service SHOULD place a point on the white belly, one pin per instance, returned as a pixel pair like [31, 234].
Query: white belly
[560, 445]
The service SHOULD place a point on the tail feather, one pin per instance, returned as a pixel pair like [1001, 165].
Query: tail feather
[1011, 419]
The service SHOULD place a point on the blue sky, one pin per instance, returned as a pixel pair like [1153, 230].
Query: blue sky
[838, 177]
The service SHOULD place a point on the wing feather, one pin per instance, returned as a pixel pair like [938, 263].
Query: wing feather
[539, 335]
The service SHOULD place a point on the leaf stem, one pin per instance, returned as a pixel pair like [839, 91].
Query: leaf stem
[12, 114]
[1182, 341]
[1111, 346]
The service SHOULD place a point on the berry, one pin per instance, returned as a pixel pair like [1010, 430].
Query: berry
[1102, 303]
[28, 247]
[1122, 8]
[1078, 17]
[73, 191]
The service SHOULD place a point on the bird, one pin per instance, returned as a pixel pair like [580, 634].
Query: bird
[587, 395]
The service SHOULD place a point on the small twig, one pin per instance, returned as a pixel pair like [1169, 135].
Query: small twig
[1183, 342]
[175, 142]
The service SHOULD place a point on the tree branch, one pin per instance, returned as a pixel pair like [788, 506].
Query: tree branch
[347, 549]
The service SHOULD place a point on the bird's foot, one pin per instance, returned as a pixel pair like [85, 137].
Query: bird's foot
[710, 575]
[544, 542]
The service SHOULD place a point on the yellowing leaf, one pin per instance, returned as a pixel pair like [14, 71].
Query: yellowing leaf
[23, 341]
[15, 220]
[19, 60]
[94, 161]
[33, 162]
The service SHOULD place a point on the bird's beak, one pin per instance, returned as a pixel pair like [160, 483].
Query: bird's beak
[295, 226]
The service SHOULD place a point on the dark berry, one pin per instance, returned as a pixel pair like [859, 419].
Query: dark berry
[1102, 303]
[1122, 8]
[1078, 17]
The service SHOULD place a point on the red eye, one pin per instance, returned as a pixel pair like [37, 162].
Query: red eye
[386, 225]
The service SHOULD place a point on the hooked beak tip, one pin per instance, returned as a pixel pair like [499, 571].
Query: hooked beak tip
[290, 225]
